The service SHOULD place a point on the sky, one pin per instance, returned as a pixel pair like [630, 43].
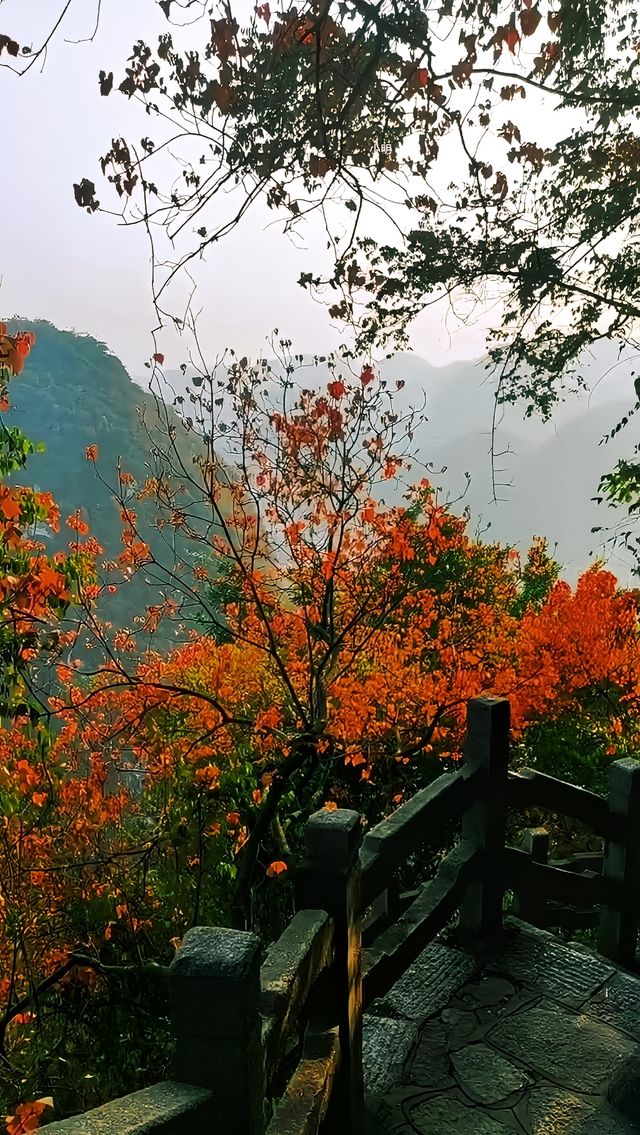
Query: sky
[91, 273]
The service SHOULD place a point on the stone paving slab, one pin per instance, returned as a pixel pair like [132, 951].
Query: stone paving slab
[466, 1046]
[553, 1112]
[618, 1003]
[486, 1077]
[428, 984]
[562, 972]
[568, 1049]
[386, 1045]
[443, 1115]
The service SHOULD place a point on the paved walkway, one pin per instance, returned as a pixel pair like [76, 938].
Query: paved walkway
[525, 1041]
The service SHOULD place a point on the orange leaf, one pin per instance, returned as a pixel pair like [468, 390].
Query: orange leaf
[276, 868]
[27, 1116]
[91, 452]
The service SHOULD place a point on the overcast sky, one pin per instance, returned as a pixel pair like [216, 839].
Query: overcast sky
[89, 273]
[86, 272]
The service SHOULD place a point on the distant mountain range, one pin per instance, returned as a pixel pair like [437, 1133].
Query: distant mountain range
[546, 473]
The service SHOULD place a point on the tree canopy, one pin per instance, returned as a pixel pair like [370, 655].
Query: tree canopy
[480, 151]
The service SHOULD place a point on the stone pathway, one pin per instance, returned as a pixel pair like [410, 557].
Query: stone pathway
[525, 1041]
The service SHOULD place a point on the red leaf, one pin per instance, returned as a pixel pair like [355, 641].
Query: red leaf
[336, 389]
[513, 39]
[367, 376]
[529, 21]
[158, 358]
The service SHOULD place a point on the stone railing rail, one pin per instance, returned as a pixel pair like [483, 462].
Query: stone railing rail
[290, 1031]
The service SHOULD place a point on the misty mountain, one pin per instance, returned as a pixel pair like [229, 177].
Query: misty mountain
[545, 473]
[74, 393]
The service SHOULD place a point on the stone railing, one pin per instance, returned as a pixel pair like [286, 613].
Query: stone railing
[277, 1049]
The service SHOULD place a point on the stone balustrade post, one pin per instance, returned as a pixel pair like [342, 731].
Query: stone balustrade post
[619, 923]
[329, 879]
[530, 903]
[214, 999]
[484, 823]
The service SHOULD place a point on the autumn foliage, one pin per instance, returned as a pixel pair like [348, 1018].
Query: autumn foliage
[338, 639]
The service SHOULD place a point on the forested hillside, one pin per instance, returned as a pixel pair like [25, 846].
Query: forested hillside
[76, 394]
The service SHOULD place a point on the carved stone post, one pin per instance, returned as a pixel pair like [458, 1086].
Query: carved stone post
[329, 879]
[214, 998]
[484, 823]
[619, 924]
[530, 903]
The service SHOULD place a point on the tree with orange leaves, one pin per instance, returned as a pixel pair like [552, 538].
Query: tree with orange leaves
[37, 591]
[340, 637]
[342, 634]
[307, 572]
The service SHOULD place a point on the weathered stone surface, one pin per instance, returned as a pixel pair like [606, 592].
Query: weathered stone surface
[443, 1115]
[428, 984]
[333, 837]
[624, 1087]
[567, 975]
[430, 1066]
[214, 983]
[386, 1044]
[551, 1111]
[486, 1076]
[392, 1117]
[572, 1050]
[618, 1004]
[168, 1107]
[460, 1023]
[487, 991]
[526, 1045]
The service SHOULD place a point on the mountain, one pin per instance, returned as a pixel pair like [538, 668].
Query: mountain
[554, 485]
[74, 393]
[545, 472]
